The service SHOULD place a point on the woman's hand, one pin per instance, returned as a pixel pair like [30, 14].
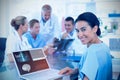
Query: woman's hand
[66, 71]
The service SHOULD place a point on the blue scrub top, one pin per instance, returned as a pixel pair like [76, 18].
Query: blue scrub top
[39, 42]
[96, 63]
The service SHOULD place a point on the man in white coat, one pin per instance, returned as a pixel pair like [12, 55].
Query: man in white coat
[49, 26]
[70, 33]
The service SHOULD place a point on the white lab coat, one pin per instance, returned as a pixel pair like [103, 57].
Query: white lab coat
[50, 29]
[14, 43]
[77, 46]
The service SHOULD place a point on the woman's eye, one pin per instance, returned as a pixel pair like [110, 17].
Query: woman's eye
[83, 29]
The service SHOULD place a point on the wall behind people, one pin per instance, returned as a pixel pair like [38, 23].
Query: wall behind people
[30, 10]
[4, 18]
[62, 8]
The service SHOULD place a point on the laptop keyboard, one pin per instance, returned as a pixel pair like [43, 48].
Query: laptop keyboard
[44, 74]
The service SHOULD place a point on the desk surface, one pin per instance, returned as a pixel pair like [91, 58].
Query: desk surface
[115, 54]
[9, 72]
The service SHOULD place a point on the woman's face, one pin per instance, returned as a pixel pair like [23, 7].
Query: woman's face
[85, 33]
[25, 27]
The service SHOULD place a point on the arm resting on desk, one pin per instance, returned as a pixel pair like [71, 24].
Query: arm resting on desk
[68, 71]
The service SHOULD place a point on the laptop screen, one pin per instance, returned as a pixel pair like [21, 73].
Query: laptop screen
[30, 61]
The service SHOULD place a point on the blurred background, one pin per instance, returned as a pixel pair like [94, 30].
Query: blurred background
[107, 11]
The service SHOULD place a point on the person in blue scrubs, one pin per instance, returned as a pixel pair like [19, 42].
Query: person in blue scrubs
[35, 39]
[96, 63]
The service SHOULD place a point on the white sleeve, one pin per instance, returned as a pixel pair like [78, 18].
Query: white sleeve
[9, 45]
[57, 27]
[28, 46]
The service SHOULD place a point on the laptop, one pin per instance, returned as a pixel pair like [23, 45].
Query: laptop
[33, 65]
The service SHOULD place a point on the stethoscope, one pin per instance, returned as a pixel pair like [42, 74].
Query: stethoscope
[21, 44]
[43, 22]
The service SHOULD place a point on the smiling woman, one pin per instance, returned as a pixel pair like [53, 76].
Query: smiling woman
[97, 53]
[88, 29]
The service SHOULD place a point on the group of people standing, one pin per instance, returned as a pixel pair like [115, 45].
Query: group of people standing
[85, 30]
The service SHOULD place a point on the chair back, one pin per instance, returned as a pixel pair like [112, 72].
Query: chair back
[2, 49]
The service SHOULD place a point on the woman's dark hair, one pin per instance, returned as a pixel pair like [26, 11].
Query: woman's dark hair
[32, 22]
[70, 19]
[19, 20]
[91, 19]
